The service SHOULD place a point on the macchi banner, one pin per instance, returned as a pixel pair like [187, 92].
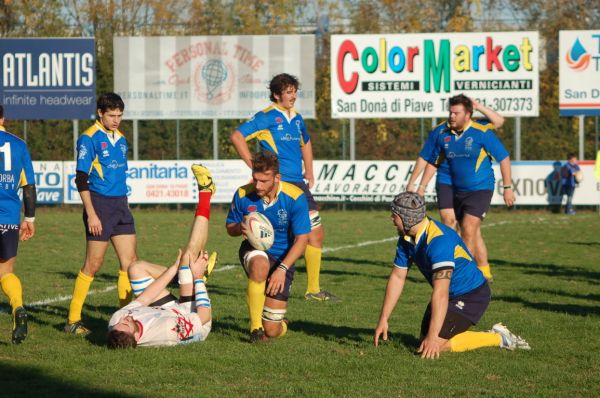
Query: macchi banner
[414, 75]
[171, 181]
[48, 78]
[579, 72]
[209, 77]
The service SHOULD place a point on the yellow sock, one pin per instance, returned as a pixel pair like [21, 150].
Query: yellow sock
[487, 272]
[284, 328]
[472, 340]
[11, 286]
[312, 257]
[82, 285]
[255, 296]
[124, 289]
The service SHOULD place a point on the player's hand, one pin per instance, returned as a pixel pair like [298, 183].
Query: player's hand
[411, 188]
[476, 104]
[431, 347]
[26, 231]
[198, 267]
[94, 225]
[382, 328]
[276, 282]
[421, 190]
[509, 197]
[310, 180]
[177, 260]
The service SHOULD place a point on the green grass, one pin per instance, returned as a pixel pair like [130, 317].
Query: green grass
[546, 289]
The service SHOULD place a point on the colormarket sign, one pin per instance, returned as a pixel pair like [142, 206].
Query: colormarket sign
[579, 69]
[413, 75]
[209, 77]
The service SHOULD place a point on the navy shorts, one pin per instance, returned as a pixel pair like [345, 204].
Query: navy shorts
[475, 203]
[9, 240]
[114, 214]
[312, 204]
[463, 312]
[246, 248]
[445, 196]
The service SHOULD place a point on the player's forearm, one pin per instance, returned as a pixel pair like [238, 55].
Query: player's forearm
[296, 250]
[150, 293]
[234, 229]
[439, 307]
[29, 200]
[86, 198]
[417, 170]
[393, 291]
[430, 170]
[241, 146]
[505, 171]
[494, 117]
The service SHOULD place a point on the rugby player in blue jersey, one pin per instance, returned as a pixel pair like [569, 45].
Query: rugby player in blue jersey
[469, 147]
[460, 294]
[281, 130]
[443, 182]
[16, 171]
[270, 273]
[101, 182]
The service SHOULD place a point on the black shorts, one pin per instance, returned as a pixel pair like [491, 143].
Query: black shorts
[9, 240]
[246, 248]
[475, 203]
[463, 312]
[114, 214]
[445, 196]
[312, 204]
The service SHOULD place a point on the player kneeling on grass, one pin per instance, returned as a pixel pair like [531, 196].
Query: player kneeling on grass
[460, 295]
[156, 317]
[286, 208]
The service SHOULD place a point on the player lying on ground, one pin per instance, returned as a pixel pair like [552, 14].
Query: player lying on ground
[155, 317]
[460, 294]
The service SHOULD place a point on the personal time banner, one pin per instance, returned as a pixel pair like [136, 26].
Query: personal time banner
[413, 75]
[579, 72]
[209, 77]
[535, 183]
[48, 79]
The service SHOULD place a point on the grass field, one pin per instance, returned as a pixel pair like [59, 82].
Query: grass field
[547, 274]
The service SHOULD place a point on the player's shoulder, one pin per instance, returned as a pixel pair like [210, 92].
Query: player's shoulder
[12, 137]
[246, 190]
[92, 130]
[482, 125]
[437, 233]
[291, 190]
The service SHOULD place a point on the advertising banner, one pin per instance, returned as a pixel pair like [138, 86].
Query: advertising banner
[365, 181]
[413, 75]
[209, 77]
[49, 182]
[579, 72]
[48, 78]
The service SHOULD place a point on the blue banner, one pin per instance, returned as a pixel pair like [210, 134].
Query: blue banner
[48, 78]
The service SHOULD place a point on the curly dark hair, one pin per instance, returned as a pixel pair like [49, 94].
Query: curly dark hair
[463, 100]
[280, 83]
[120, 339]
[264, 161]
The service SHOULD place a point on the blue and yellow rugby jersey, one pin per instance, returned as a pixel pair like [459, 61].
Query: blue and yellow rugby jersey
[16, 170]
[469, 156]
[285, 137]
[443, 171]
[103, 155]
[438, 247]
[288, 214]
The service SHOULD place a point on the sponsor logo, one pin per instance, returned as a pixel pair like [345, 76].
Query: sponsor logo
[469, 144]
[124, 150]
[278, 120]
[251, 208]
[577, 57]
[460, 305]
[82, 152]
[104, 145]
[447, 139]
[282, 215]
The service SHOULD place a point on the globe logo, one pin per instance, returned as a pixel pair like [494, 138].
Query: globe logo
[210, 81]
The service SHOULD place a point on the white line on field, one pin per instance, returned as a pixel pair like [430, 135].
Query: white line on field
[228, 267]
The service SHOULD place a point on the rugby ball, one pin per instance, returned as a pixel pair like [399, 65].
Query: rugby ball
[578, 176]
[260, 232]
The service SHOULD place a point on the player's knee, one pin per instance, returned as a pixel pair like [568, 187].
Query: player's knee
[92, 266]
[272, 318]
[258, 269]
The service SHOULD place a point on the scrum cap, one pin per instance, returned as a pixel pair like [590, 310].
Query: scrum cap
[410, 207]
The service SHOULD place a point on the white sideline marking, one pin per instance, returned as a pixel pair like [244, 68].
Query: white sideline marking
[228, 267]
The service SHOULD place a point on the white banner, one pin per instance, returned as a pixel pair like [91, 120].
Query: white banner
[535, 183]
[209, 77]
[579, 72]
[413, 75]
